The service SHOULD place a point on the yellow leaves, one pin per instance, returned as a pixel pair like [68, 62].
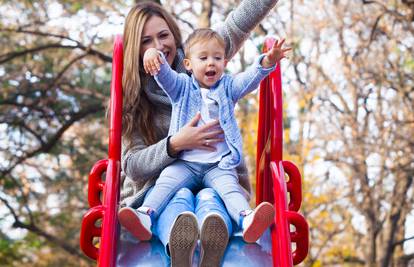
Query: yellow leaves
[302, 103]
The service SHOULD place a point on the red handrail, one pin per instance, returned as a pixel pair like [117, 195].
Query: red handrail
[271, 171]
[106, 210]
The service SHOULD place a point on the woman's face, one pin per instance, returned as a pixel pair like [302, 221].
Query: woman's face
[157, 34]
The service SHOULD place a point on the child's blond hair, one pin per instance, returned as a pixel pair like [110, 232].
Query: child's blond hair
[202, 35]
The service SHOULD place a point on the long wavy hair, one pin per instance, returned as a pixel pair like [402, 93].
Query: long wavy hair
[137, 110]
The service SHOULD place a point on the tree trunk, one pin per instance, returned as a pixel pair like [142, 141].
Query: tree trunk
[206, 11]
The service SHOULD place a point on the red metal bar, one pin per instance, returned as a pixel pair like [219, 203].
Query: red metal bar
[270, 175]
[294, 185]
[108, 243]
[107, 249]
[281, 245]
[261, 141]
[89, 230]
[300, 236]
[106, 210]
[95, 184]
[264, 139]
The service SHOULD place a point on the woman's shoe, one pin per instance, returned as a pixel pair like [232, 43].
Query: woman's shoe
[136, 222]
[214, 239]
[257, 221]
[183, 240]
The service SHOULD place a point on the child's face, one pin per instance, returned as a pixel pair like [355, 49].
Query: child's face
[206, 61]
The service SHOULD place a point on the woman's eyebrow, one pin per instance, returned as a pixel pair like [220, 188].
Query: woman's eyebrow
[158, 33]
[163, 31]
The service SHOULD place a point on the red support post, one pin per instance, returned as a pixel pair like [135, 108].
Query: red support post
[107, 208]
[110, 227]
[270, 176]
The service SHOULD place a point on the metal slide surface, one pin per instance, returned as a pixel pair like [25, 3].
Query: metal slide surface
[149, 254]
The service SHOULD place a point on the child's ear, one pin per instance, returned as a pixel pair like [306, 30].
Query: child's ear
[225, 62]
[187, 64]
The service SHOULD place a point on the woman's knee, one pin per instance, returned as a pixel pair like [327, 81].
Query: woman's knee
[184, 193]
[207, 193]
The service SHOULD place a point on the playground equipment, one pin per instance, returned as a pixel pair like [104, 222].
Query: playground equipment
[273, 249]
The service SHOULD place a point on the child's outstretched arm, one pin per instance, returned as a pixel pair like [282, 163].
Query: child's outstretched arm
[169, 80]
[152, 61]
[249, 80]
[275, 54]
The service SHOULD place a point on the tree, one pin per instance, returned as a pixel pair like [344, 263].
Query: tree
[353, 66]
[55, 84]
[55, 74]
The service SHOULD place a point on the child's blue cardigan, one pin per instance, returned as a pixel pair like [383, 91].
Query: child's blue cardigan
[185, 96]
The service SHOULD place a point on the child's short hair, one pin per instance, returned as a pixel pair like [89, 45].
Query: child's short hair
[202, 35]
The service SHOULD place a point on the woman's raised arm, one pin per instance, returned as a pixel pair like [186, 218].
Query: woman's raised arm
[241, 21]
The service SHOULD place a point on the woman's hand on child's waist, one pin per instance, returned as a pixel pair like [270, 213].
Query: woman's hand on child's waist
[192, 136]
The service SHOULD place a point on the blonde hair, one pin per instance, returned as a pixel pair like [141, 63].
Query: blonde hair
[202, 35]
[137, 109]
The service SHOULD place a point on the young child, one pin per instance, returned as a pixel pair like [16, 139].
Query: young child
[213, 94]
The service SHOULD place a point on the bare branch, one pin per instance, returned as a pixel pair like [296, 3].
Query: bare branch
[55, 138]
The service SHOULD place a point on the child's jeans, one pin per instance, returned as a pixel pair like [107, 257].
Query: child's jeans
[194, 175]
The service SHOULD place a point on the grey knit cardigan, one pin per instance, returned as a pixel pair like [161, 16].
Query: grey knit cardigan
[142, 164]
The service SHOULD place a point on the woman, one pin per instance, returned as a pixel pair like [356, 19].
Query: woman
[146, 147]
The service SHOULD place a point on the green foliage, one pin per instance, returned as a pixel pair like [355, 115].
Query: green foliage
[52, 114]
[9, 251]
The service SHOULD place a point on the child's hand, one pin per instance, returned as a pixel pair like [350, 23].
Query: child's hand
[275, 54]
[152, 61]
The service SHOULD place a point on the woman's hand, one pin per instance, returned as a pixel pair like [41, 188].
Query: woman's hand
[152, 61]
[193, 137]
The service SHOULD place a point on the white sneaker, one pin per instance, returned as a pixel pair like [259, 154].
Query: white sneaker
[257, 221]
[214, 239]
[137, 222]
[183, 240]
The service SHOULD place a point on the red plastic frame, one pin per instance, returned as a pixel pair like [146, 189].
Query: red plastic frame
[271, 183]
[271, 171]
[106, 210]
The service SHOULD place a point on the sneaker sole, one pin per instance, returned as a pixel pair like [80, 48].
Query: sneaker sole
[129, 220]
[214, 240]
[183, 240]
[263, 217]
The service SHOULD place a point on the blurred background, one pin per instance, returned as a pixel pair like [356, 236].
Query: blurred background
[349, 120]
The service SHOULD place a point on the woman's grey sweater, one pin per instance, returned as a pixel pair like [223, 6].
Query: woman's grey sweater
[142, 164]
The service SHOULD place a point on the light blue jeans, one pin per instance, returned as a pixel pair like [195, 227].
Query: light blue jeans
[194, 175]
[205, 202]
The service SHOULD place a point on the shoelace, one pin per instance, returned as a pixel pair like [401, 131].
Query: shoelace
[147, 211]
[243, 214]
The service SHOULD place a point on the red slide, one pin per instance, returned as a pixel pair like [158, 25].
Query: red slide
[100, 223]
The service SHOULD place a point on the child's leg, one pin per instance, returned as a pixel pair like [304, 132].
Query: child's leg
[174, 177]
[252, 222]
[139, 221]
[226, 184]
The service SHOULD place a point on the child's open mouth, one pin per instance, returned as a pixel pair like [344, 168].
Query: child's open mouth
[210, 73]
